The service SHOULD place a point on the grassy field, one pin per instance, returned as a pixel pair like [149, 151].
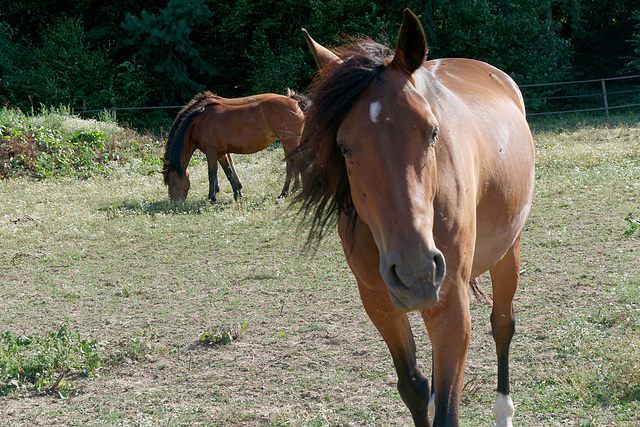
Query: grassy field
[161, 314]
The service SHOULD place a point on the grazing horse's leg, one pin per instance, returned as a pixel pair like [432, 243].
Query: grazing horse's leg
[232, 165]
[392, 324]
[212, 164]
[225, 162]
[287, 180]
[449, 326]
[504, 279]
[288, 145]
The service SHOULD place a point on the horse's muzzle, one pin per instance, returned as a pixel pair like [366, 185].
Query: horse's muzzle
[414, 285]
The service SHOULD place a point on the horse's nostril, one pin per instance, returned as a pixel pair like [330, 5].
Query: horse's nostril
[439, 268]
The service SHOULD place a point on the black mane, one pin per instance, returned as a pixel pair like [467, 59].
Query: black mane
[175, 140]
[325, 189]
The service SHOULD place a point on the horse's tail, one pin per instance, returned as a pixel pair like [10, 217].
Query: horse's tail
[474, 285]
[303, 101]
[178, 131]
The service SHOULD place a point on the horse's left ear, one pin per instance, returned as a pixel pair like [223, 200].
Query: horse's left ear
[411, 49]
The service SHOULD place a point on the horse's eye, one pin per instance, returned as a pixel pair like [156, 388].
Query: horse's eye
[434, 136]
[344, 149]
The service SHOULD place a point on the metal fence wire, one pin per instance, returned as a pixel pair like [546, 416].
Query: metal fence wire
[582, 96]
[540, 99]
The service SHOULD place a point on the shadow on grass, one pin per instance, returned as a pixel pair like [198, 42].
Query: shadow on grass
[165, 207]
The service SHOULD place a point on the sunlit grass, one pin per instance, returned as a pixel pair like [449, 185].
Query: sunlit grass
[114, 259]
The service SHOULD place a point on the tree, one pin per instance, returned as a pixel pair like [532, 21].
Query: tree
[16, 59]
[66, 70]
[513, 35]
[164, 47]
[634, 64]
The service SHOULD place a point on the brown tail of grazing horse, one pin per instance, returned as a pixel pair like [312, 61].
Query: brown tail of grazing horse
[478, 292]
[304, 102]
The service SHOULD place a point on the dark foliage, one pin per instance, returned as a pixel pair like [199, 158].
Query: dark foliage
[92, 55]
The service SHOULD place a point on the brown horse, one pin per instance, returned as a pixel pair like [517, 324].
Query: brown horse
[218, 127]
[226, 162]
[421, 163]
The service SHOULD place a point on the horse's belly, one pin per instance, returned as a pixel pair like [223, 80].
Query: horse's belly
[495, 236]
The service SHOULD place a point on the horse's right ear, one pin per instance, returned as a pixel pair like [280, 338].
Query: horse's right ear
[322, 55]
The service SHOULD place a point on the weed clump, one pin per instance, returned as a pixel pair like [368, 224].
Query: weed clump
[55, 142]
[45, 365]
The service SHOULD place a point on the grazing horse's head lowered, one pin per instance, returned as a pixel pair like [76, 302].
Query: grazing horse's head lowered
[427, 168]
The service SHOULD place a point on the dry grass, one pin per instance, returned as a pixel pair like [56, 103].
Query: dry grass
[111, 258]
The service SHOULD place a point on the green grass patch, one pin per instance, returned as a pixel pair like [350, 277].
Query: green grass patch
[46, 364]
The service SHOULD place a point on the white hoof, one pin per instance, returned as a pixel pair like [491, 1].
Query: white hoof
[504, 410]
[431, 409]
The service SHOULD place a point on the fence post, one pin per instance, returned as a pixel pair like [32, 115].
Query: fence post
[604, 97]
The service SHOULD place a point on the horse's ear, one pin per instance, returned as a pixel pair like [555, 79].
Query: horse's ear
[411, 49]
[322, 55]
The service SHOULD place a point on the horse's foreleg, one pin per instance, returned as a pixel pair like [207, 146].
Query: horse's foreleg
[214, 188]
[449, 327]
[226, 163]
[288, 145]
[395, 329]
[504, 279]
[363, 258]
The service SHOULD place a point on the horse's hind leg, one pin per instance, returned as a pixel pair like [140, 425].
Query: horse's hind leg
[504, 279]
[287, 180]
[226, 163]
[232, 165]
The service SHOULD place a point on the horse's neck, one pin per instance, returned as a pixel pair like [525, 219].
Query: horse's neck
[187, 152]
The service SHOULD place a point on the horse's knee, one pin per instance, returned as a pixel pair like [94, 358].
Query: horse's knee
[415, 393]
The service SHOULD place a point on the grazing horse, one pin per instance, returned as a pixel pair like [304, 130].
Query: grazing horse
[427, 168]
[226, 162]
[218, 127]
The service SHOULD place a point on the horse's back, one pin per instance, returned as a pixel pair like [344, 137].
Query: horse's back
[246, 99]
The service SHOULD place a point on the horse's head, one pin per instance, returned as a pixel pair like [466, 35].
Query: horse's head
[387, 140]
[178, 183]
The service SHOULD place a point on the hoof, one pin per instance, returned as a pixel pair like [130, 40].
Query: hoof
[504, 410]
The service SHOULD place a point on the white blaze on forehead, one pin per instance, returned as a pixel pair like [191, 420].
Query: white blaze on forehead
[374, 111]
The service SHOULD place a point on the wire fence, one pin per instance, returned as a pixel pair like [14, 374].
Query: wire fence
[585, 96]
[598, 95]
